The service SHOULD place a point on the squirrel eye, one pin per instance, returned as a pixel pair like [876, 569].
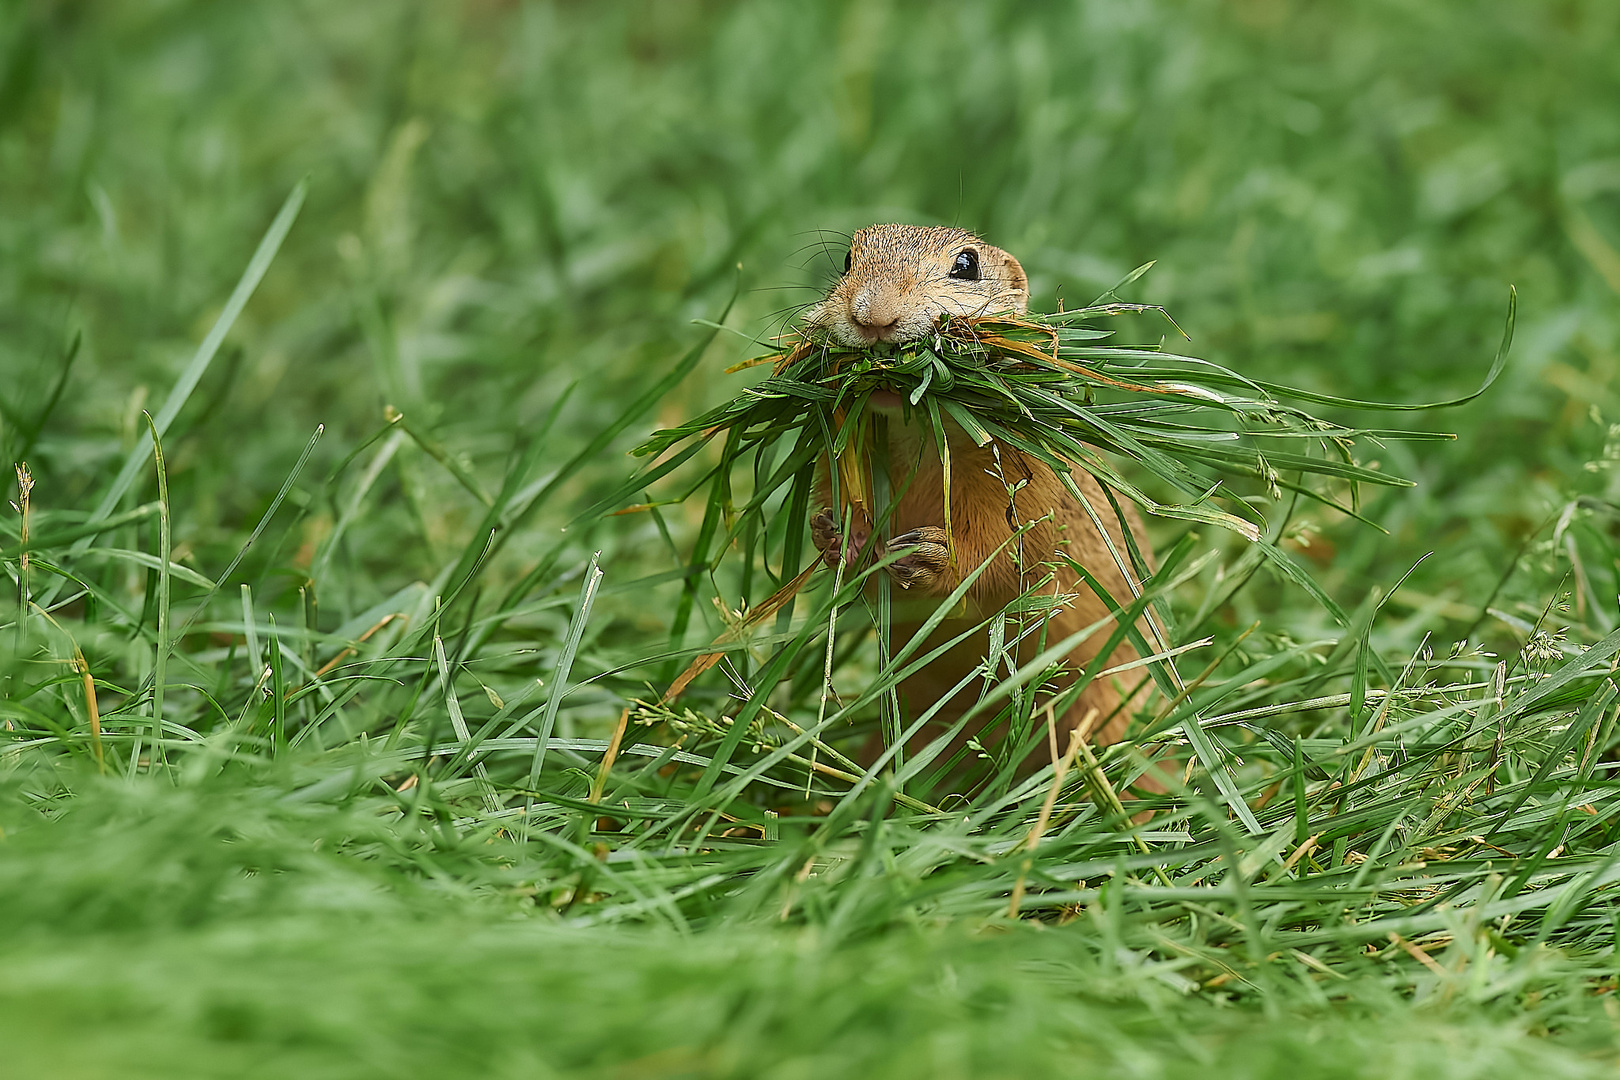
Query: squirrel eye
[849, 260]
[966, 265]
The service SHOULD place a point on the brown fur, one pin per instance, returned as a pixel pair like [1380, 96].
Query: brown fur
[896, 289]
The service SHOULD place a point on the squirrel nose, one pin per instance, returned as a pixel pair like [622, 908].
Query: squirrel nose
[876, 312]
[877, 328]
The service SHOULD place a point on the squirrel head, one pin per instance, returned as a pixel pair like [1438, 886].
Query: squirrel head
[899, 279]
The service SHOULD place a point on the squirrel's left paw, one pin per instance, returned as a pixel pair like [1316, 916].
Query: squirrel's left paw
[927, 557]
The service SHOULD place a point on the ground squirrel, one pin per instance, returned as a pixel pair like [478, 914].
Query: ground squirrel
[897, 282]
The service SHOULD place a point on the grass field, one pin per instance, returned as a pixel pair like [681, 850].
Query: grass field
[303, 715]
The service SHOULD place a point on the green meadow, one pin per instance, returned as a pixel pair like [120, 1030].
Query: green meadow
[337, 612]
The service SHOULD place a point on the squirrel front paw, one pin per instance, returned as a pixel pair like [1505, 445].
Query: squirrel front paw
[827, 534]
[926, 561]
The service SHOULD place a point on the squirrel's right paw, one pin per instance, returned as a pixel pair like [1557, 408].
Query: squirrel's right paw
[827, 534]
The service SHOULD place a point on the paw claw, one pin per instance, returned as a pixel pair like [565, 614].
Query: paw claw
[927, 557]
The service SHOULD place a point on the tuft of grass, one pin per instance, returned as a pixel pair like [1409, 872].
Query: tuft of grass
[1055, 388]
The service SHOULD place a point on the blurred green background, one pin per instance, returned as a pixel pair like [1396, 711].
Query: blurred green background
[510, 199]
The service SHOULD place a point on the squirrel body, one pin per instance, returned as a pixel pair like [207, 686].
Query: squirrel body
[898, 281]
